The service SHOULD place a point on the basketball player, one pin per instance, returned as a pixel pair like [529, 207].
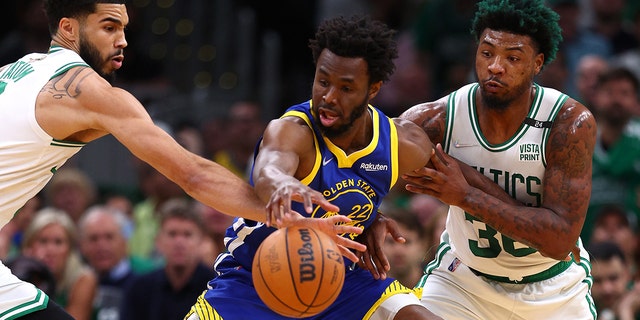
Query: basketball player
[338, 144]
[513, 161]
[51, 104]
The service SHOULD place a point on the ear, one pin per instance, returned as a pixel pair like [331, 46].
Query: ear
[539, 62]
[69, 28]
[374, 88]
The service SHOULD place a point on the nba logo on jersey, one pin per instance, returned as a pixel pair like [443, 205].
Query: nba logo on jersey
[454, 264]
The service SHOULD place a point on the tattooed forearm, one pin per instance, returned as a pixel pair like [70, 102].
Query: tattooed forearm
[67, 84]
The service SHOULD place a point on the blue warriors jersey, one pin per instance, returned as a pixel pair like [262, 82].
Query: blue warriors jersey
[356, 183]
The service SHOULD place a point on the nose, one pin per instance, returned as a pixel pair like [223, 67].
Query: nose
[329, 96]
[495, 66]
[121, 42]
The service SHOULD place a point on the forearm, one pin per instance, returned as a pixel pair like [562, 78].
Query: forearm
[480, 181]
[536, 227]
[219, 188]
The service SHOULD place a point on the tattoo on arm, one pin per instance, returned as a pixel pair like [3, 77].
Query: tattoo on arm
[67, 84]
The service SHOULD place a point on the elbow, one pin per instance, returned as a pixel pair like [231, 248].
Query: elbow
[559, 249]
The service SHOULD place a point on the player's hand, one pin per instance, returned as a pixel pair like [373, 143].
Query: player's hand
[279, 205]
[445, 181]
[334, 226]
[374, 259]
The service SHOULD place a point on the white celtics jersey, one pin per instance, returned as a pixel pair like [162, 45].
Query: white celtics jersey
[518, 165]
[28, 155]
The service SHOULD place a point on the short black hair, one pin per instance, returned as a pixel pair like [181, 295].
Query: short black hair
[358, 37]
[180, 208]
[619, 73]
[605, 251]
[524, 17]
[58, 9]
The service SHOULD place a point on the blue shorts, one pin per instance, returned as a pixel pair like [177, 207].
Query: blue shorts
[231, 296]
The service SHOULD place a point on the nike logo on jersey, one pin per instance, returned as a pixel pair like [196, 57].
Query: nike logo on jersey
[457, 144]
[326, 161]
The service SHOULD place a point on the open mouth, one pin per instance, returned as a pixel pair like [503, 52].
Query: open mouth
[327, 118]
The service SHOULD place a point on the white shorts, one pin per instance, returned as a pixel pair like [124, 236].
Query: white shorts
[461, 294]
[18, 298]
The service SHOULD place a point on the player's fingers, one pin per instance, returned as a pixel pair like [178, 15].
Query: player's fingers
[324, 204]
[347, 243]
[348, 254]
[438, 160]
[369, 265]
[420, 189]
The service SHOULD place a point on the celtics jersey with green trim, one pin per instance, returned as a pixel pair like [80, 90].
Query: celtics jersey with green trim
[29, 156]
[518, 165]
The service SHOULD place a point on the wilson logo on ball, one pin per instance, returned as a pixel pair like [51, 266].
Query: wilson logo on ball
[307, 268]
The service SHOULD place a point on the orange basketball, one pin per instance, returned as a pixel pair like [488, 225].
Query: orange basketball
[298, 272]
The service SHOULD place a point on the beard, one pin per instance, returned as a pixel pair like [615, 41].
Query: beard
[90, 54]
[499, 103]
[332, 132]
[616, 116]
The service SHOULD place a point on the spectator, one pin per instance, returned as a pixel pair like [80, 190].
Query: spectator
[611, 277]
[609, 21]
[189, 136]
[51, 238]
[614, 224]
[12, 233]
[34, 271]
[244, 129]
[425, 206]
[103, 244]
[169, 292]
[157, 189]
[588, 70]
[616, 158]
[406, 259]
[72, 191]
[577, 42]
[215, 224]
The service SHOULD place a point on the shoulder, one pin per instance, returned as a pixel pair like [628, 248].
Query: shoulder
[430, 117]
[576, 118]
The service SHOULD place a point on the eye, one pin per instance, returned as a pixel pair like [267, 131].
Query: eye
[514, 59]
[346, 89]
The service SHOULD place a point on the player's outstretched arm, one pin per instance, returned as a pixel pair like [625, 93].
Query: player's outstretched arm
[81, 106]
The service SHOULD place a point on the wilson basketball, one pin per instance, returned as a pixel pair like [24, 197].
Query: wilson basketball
[298, 272]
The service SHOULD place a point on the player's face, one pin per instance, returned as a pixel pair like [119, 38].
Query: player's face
[340, 93]
[506, 64]
[102, 38]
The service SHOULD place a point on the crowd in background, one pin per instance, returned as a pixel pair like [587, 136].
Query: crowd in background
[107, 225]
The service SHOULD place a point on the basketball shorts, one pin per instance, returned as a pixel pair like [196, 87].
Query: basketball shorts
[231, 296]
[18, 298]
[452, 290]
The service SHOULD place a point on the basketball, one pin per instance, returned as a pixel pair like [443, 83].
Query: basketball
[298, 272]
